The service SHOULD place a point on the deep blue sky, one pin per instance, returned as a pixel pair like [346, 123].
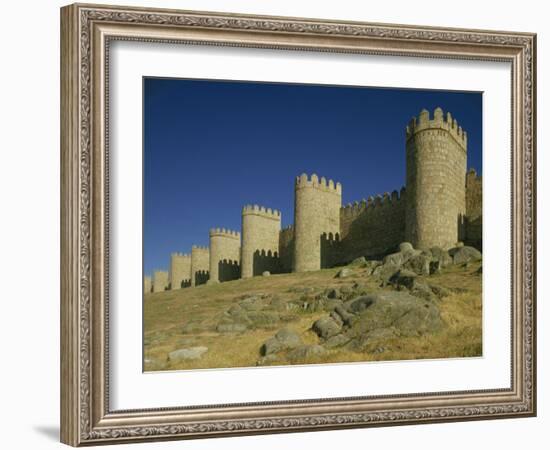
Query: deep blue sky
[211, 147]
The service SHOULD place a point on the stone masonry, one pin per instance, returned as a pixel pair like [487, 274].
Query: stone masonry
[439, 205]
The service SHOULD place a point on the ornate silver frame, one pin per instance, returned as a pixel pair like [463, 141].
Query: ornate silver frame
[86, 31]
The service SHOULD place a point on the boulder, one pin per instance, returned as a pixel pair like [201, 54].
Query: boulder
[326, 327]
[465, 254]
[305, 352]
[405, 247]
[395, 259]
[266, 273]
[407, 314]
[333, 293]
[419, 264]
[441, 256]
[284, 339]
[404, 278]
[268, 360]
[187, 353]
[359, 262]
[344, 273]
[231, 327]
[337, 341]
[385, 271]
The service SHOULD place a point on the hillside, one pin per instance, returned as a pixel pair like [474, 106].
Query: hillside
[233, 324]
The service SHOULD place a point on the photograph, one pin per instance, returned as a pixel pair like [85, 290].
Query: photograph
[289, 224]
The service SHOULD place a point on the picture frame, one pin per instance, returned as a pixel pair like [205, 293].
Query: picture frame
[87, 31]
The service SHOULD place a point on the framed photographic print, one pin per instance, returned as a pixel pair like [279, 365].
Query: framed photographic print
[274, 224]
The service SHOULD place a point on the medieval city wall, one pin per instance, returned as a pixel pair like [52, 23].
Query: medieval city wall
[200, 265]
[440, 206]
[180, 270]
[260, 247]
[225, 254]
[474, 209]
[286, 248]
[160, 280]
[436, 179]
[147, 284]
[372, 227]
[316, 212]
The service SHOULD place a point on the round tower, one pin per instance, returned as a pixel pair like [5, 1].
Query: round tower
[260, 247]
[200, 265]
[436, 181]
[317, 206]
[225, 249]
[180, 270]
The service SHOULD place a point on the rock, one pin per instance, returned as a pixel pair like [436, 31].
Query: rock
[441, 256]
[284, 339]
[337, 341]
[266, 273]
[305, 352]
[231, 327]
[407, 314]
[385, 271]
[333, 293]
[345, 316]
[395, 259]
[419, 264]
[263, 318]
[424, 291]
[277, 304]
[288, 338]
[405, 247]
[359, 262]
[187, 353]
[404, 278]
[192, 327]
[465, 254]
[326, 327]
[344, 273]
[254, 303]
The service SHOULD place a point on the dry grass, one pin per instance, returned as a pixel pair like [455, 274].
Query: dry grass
[166, 313]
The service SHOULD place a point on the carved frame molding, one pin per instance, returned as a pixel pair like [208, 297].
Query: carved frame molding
[86, 31]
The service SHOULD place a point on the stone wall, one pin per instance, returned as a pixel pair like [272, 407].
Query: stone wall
[147, 284]
[474, 209]
[286, 248]
[160, 280]
[316, 212]
[200, 265]
[260, 247]
[180, 270]
[436, 179]
[225, 254]
[372, 227]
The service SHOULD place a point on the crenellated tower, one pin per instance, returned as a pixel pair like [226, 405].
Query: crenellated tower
[225, 254]
[436, 152]
[180, 270]
[317, 206]
[200, 265]
[160, 280]
[260, 247]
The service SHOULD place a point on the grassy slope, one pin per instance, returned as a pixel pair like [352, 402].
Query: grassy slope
[165, 314]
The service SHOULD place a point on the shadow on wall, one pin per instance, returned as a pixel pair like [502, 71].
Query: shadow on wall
[265, 261]
[201, 277]
[228, 270]
[331, 250]
[185, 283]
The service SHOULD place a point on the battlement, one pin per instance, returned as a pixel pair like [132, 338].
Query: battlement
[199, 248]
[225, 233]
[180, 255]
[384, 200]
[439, 122]
[314, 182]
[262, 211]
